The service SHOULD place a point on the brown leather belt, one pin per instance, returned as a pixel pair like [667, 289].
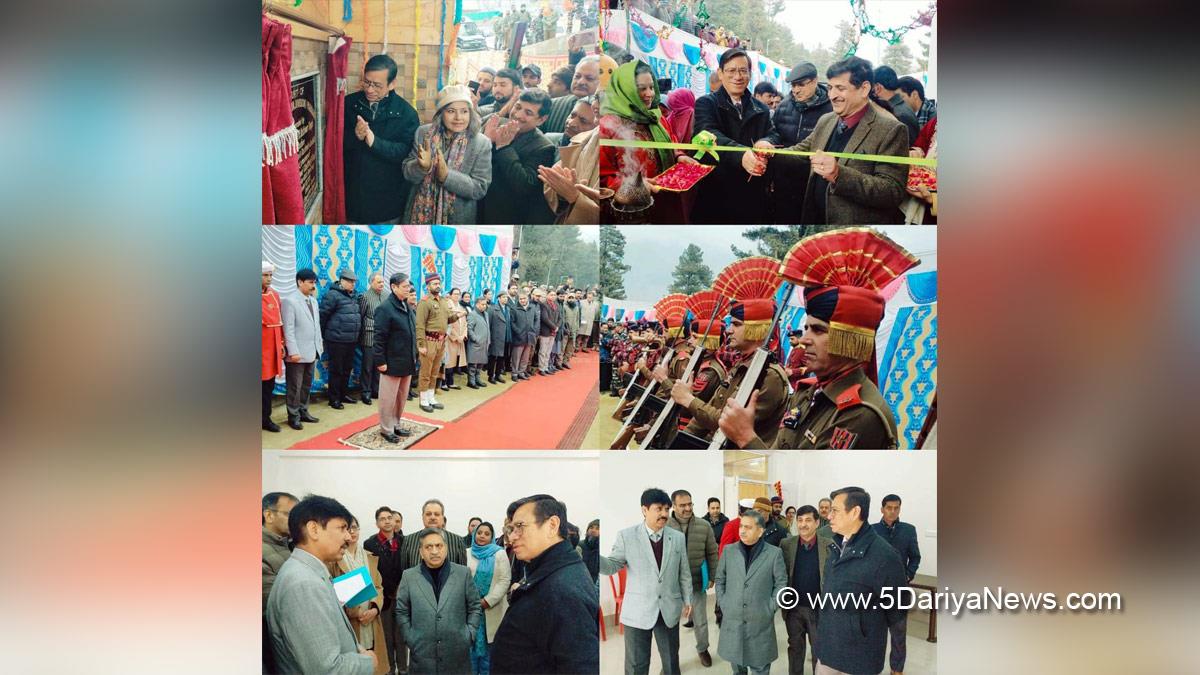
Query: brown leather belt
[434, 335]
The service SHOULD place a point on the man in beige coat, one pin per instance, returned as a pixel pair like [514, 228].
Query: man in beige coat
[578, 165]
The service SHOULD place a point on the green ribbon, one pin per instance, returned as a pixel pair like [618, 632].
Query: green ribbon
[705, 143]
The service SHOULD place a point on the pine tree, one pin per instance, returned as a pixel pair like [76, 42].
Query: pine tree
[899, 57]
[774, 241]
[612, 262]
[691, 275]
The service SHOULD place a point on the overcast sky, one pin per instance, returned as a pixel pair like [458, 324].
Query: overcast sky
[814, 22]
[653, 251]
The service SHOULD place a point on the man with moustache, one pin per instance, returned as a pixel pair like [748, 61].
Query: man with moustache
[485, 77]
[840, 407]
[748, 578]
[433, 515]
[853, 639]
[658, 587]
[431, 322]
[701, 547]
[368, 302]
[506, 85]
[437, 608]
[578, 164]
[749, 320]
[852, 191]
[519, 148]
[715, 517]
[795, 359]
[550, 625]
[395, 356]
[584, 82]
[804, 557]
[379, 130]
[307, 627]
[276, 549]
[823, 509]
[302, 339]
[272, 344]
[773, 534]
[523, 332]
[902, 537]
[793, 121]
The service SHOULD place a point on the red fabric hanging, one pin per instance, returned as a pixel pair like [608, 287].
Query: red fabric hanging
[282, 199]
[333, 204]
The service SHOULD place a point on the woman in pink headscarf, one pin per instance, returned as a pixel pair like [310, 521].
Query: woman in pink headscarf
[681, 108]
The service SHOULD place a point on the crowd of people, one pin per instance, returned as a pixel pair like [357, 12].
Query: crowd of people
[824, 395]
[542, 26]
[524, 331]
[522, 598]
[674, 557]
[505, 148]
[859, 109]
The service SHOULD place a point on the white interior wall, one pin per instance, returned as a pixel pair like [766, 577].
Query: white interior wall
[625, 475]
[809, 476]
[468, 483]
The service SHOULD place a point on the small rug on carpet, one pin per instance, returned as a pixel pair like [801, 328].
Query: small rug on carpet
[370, 438]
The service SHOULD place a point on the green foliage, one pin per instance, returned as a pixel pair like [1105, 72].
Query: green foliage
[899, 57]
[612, 262]
[691, 275]
[775, 240]
[549, 254]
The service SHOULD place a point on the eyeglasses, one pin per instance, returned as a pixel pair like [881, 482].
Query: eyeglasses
[282, 513]
[367, 84]
[517, 528]
[737, 71]
[354, 528]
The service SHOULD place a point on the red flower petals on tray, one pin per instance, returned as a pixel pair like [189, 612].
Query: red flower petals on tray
[682, 177]
[919, 176]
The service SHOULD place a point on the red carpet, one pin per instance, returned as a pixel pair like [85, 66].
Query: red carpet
[537, 414]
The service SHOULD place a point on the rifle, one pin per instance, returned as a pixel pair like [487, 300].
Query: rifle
[628, 424]
[693, 364]
[616, 414]
[758, 364]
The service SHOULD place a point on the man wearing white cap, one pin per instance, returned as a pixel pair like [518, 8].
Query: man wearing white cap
[272, 344]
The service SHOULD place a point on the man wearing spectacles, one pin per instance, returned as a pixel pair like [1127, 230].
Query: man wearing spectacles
[379, 130]
[433, 515]
[550, 625]
[276, 506]
[737, 190]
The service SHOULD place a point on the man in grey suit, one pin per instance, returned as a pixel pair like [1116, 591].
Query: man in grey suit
[658, 588]
[749, 576]
[302, 340]
[437, 608]
[804, 558]
[308, 628]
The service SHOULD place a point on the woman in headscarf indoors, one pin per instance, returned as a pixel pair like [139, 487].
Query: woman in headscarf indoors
[492, 576]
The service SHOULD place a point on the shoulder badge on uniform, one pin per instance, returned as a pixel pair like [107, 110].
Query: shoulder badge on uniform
[850, 397]
[842, 438]
[700, 383]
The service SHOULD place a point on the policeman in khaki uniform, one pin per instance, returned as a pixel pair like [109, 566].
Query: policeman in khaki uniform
[751, 319]
[432, 317]
[839, 406]
[666, 373]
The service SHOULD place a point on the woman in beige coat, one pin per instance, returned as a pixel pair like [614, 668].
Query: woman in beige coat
[484, 553]
[456, 340]
[364, 619]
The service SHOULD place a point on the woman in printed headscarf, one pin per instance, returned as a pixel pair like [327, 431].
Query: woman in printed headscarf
[492, 575]
[681, 111]
[451, 163]
[630, 111]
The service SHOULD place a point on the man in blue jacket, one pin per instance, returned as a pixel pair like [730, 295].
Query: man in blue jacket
[853, 638]
[340, 324]
[903, 538]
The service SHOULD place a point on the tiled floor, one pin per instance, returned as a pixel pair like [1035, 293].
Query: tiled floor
[922, 655]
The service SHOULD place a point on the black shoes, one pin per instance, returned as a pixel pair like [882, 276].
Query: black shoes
[427, 408]
[437, 406]
[366, 400]
[402, 432]
[347, 399]
[336, 405]
[294, 422]
[390, 438]
[268, 425]
[471, 384]
[305, 417]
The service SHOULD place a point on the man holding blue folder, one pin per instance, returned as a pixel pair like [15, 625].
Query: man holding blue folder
[309, 630]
